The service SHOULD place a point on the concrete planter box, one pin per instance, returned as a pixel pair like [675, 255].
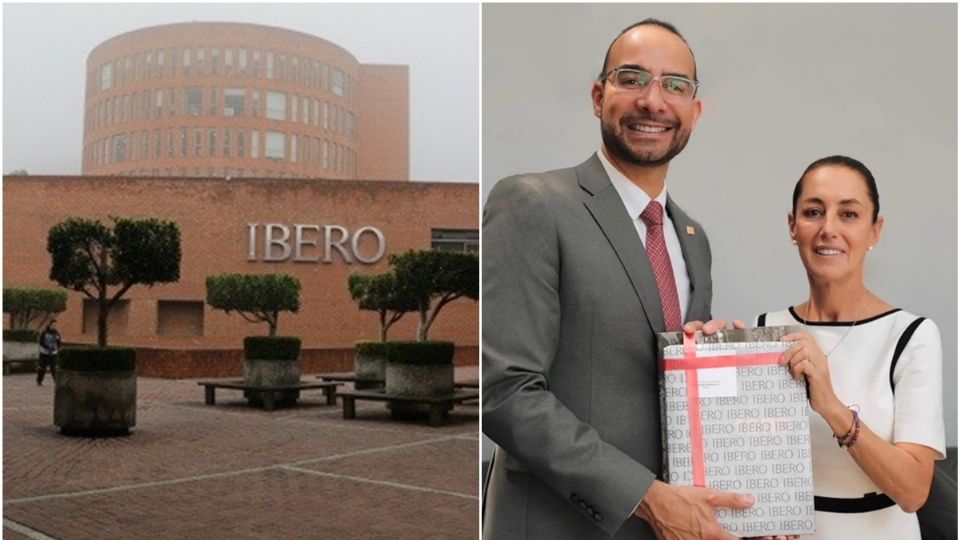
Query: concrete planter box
[261, 372]
[95, 403]
[370, 369]
[22, 355]
[21, 350]
[419, 381]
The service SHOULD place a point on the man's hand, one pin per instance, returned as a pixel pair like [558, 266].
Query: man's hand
[685, 512]
[710, 327]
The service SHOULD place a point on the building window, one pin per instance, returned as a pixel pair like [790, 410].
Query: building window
[242, 61]
[194, 101]
[183, 141]
[160, 59]
[241, 143]
[255, 63]
[186, 62]
[350, 124]
[281, 67]
[215, 61]
[116, 319]
[336, 85]
[214, 101]
[462, 240]
[255, 144]
[294, 101]
[226, 142]
[197, 142]
[169, 144]
[276, 105]
[270, 65]
[212, 143]
[106, 76]
[233, 101]
[158, 106]
[293, 148]
[171, 102]
[144, 145]
[276, 142]
[119, 145]
[200, 55]
[156, 144]
[179, 318]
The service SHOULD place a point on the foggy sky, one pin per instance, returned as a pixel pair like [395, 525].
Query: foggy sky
[45, 47]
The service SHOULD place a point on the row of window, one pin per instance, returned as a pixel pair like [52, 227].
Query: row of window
[183, 142]
[198, 101]
[213, 172]
[226, 61]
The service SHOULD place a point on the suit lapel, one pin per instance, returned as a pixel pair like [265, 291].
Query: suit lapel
[608, 211]
[695, 258]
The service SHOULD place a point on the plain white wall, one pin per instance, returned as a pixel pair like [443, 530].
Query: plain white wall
[782, 85]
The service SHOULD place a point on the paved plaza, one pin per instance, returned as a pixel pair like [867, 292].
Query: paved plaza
[191, 470]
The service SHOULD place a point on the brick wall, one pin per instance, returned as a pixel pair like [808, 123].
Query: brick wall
[213, 216]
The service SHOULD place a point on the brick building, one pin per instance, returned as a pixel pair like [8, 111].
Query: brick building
[250, 226]
[204, 99]
[273, 151]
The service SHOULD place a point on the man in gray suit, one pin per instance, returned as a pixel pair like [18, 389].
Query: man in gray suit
[581, 268]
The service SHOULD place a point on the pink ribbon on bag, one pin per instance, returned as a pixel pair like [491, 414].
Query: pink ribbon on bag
[690, 363]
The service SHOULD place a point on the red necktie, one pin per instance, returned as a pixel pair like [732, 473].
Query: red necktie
[662, 269]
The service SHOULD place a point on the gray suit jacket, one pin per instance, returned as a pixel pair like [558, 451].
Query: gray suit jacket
[570, 375]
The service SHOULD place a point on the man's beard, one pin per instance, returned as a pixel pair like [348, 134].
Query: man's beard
[619, 149]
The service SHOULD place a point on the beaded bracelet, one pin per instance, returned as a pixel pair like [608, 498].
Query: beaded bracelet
[849, 438]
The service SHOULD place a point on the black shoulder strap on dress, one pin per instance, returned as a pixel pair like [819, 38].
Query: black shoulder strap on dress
[762, 320]
[901, 345]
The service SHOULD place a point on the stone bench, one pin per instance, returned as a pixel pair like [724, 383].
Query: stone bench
[351, 376]
[268, 394]
[8, 363]
[438, 405]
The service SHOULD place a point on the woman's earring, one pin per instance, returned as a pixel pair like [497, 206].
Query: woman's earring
[794, 240]
[870, 248]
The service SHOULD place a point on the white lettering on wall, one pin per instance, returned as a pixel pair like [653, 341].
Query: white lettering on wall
[305, 246]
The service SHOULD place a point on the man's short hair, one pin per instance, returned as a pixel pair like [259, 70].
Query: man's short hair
[648, 22]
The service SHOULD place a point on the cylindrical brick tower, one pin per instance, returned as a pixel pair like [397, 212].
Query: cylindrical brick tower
[241, 100]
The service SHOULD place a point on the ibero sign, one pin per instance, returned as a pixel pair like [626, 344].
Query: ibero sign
[274, 242]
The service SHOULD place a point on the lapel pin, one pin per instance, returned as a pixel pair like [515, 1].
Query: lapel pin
[690, 230]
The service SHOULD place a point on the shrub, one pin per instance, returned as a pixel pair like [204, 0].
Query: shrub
[98, 359]
[91, 258]
[421, 353]
[385, 295]
[256, 297]
[371, 348]
[27, 305]
[21, 335]
[434, 279]
[271, 348]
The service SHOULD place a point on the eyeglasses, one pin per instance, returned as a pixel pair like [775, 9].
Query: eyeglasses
[638, 79]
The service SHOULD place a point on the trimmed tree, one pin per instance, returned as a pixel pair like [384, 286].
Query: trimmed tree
[256, 297]
[383, 294]
[28, 305]
[103, 263]
[434, 279]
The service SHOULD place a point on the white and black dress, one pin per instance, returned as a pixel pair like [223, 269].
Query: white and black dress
[890, 366]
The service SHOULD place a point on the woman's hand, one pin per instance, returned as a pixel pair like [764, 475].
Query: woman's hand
[805, 359]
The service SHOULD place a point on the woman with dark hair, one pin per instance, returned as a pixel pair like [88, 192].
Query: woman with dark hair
[873, 371]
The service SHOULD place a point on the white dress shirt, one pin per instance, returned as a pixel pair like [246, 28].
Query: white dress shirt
[636, 200]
